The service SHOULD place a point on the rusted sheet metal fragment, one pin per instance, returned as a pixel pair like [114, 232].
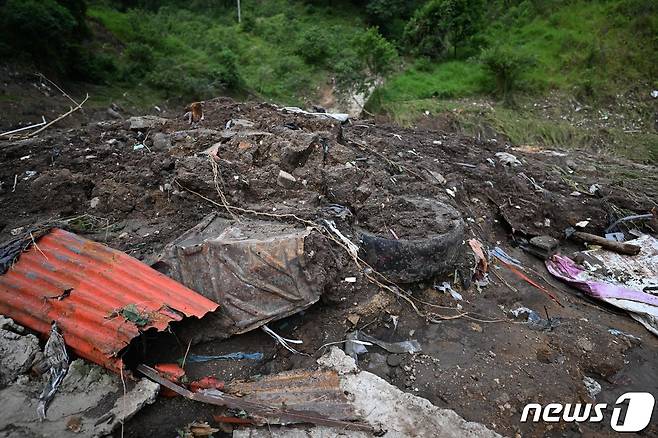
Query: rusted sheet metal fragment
[257, 271]
[316, 391]
[281, 414]
[101, 298]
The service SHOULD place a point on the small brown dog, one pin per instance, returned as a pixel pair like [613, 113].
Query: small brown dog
[194, 112]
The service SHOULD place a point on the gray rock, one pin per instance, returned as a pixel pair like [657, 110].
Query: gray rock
[17, 351]
[161, 141]
[286, 180]
[394, 360]
[140, 123]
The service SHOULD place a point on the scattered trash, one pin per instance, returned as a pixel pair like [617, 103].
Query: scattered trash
[536, 322]
[515, 267]
[272, 412]
[446, 287]
[74, 408]
[480, 273]
[208, 382]
[257, 271]
[612, 245]
[196, 429]
[592, 386]
[337, 116]
[192, 358]
[637, 272]
[350, 280]
[58, 364]
[138, 146]
[654, 94]
[284, 342]
[636, 217]
[337, 210]
[69, 267]
[411, 346]
[501, 255]
[507, 159]
[615, 332]
[582, 224]
[642, 306]
[380, 405]
[617, 237]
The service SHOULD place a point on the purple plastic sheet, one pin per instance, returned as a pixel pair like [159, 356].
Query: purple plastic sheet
[642, 306]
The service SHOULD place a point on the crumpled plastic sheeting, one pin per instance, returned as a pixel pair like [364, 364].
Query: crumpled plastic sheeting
[636, 272]
[642, 306]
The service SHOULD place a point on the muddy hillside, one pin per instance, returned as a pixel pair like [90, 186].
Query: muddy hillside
[464, 271]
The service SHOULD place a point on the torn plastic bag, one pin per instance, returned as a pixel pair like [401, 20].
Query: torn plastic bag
[258, 271]
[642, 306]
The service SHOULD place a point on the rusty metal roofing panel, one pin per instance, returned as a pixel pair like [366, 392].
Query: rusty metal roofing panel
[85, 286]
[316, 391]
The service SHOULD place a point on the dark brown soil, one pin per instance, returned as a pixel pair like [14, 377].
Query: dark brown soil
[485, 365]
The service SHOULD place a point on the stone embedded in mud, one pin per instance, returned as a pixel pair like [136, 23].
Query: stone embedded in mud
[139, 123]
[286, 180]
[161, 141]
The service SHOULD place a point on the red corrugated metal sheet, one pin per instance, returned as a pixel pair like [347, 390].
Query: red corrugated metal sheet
[102, 281]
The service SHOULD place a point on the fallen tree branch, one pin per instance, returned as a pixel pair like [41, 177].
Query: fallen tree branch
[71, 111]
[64, 93]
[25, 128]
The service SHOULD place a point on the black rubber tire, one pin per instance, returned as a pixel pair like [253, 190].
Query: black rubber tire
[412, 260]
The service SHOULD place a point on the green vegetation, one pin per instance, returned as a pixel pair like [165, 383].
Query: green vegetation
[282, 51]
[591, 49]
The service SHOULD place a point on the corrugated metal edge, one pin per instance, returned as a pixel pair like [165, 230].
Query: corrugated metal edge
[101, 281]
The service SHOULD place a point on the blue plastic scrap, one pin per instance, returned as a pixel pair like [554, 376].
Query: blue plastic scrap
[230, 356]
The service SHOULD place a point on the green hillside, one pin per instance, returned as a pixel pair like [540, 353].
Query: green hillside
[430, 56]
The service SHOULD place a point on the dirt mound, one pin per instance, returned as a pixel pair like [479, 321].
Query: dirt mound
[139, 189]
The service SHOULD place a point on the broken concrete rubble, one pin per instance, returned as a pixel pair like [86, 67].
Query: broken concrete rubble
[18, 351]
[76, 404]
[383, 406]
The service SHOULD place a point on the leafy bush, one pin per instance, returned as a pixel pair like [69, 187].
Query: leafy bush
[313, 46]
[227, 71]
[441, 24]
[506, 64]
[43, 30]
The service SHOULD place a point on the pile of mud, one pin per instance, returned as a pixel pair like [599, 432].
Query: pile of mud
[410, 198]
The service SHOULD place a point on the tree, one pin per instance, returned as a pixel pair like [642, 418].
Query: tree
[506, 64]
[440, 24]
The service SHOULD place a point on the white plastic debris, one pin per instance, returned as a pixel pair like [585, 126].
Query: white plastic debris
[336, 116]
[507, 159]
[350, 279]
[582, 224]
[592, 386]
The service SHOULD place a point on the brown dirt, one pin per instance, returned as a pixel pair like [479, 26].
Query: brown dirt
[486, 371]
